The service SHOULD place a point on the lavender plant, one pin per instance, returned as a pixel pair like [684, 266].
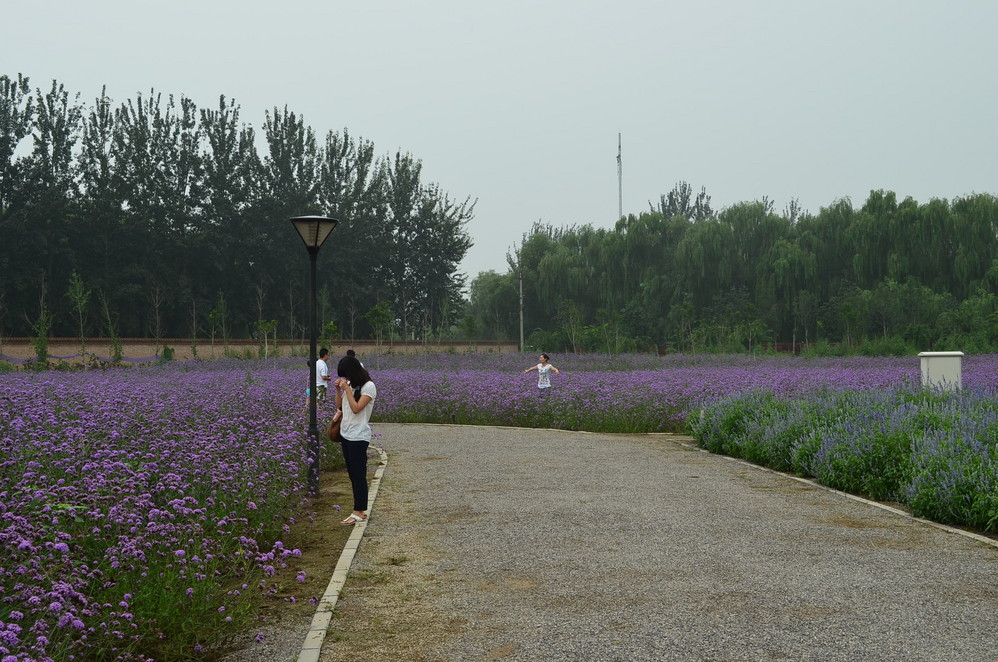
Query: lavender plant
[138, 507]
[931, 450]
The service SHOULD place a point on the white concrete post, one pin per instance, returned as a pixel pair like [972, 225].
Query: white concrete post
[942, 369]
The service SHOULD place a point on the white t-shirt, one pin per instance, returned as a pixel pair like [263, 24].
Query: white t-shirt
[357, 427]
[321, 370]
[543, 375]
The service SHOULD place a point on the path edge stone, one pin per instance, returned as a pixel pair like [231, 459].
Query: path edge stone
[312, 646]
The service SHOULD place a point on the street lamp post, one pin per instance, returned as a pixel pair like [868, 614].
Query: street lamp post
[313, 231]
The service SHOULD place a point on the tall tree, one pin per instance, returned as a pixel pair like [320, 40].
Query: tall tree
[17, 113]
[680, 202]
[438, 247]
[51, 188]
[352, 188]
[404, 193]
[101, 200]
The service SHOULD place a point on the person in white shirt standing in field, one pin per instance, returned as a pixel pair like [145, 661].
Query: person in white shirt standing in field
[322, 378]
[544, 370]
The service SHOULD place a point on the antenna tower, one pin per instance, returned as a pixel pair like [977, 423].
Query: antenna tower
[620, 182]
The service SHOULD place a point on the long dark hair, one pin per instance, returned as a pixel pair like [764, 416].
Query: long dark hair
[350, 369]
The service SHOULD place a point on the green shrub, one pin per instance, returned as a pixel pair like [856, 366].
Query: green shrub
[823, 348]
[545, 341]
[935, 451]
[887, 346]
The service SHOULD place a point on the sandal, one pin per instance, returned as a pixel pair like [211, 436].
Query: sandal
[352, 519]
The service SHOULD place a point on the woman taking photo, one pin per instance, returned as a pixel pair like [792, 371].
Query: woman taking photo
[355, 395]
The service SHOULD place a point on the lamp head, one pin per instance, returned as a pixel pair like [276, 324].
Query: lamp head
[314, 229]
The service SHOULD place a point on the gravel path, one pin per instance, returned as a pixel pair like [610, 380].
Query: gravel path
[509, 544]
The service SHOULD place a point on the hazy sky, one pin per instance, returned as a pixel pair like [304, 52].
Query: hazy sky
[518, 103]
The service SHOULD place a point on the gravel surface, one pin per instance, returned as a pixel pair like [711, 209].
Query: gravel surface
[510, 544]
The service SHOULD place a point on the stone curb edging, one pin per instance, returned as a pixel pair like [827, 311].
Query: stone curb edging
[324, 612]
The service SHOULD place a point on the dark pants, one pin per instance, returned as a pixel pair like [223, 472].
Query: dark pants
[355, 455]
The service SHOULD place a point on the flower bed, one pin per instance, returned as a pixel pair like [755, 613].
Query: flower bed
[138, 506]
[936, 452]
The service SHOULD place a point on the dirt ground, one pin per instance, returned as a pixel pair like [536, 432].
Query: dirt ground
[398, 573]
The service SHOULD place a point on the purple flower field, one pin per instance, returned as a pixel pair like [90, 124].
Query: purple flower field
[136, 506]
[631, 393]
[139, 508]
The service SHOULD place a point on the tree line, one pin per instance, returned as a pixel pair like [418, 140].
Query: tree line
[155, 218]
[888, 277]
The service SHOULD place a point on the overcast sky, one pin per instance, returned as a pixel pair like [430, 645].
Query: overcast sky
[518, 103]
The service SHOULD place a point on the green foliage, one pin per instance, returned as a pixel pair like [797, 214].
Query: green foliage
[40, 341]
[931, 450]
[755, 427]
[949, 458]
[892, 277]
[823, 348]
[545, 341]
[328, 334]
[111, 326]
[887, 346]
[154, 190]
[218, 320]
[79, 295]
[469, 326]
[265, 328]
[569, 319]
[331, 458]
[380, 319]
[494, 305]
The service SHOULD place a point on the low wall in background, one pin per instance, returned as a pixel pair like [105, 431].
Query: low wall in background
[138, 350]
